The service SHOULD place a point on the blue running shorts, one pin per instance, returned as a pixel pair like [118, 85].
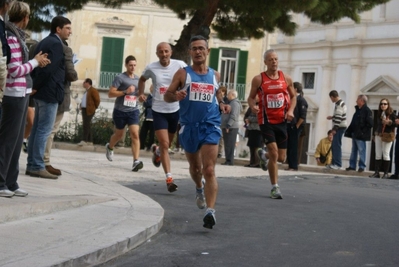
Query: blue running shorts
[193, 136]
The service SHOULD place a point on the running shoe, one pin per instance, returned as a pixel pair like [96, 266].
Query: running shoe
[156, 159]
[172, 187]
[200, 199]
[25, 147]
[262, 155]
[275, 193]
[137, 165]
[209, 219]
[109, 152]
[170, 151]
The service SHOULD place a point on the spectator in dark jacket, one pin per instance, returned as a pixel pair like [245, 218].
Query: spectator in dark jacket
[147, 128]
[360, 132]
[295, 128]
[48, 90]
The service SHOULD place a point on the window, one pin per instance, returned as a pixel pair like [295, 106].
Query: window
[308, 80]
[111, 60]
[232, 65]
[228, 62]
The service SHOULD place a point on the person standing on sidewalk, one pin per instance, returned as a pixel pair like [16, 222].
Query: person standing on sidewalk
[277, 101]
[196, 87]
[383, 138]
[339, 127]
[89, 104]
[147, 128]
[230, 126]
[16, 97]
[395, 176]
[296, 127]
[165, 115]
[126, 111]
[70, 76]
[48, 93]
[360, 132]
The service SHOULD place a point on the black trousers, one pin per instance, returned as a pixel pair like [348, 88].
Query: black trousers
[12, 128]
[147, 129]
[292, 146]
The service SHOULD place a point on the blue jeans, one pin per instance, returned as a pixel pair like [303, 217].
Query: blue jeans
[336, 147]
[42, 125]
[358, 147]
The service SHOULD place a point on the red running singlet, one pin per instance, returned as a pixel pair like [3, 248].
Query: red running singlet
[274, 99]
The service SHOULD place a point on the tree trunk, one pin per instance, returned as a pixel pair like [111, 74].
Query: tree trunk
[202, 18]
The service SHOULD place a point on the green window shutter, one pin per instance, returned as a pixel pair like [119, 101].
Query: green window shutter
[112, 54]
[214, 58]
[242, 67]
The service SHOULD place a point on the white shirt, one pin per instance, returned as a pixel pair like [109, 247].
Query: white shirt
[161, 78]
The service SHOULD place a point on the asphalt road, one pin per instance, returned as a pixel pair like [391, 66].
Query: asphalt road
[322, 221]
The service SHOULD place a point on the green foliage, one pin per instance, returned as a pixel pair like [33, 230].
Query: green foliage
[243, 154]
[230, 19]
[101, 127]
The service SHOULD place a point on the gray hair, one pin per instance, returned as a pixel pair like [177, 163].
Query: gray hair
[363, 98]
[268, 52]
[233, 92]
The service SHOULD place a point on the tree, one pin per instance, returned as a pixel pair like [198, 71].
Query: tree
[230, 19]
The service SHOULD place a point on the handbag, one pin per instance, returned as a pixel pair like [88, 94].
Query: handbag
[323, 158]
[388, 137]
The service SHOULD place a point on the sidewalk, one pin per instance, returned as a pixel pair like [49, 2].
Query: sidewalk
[87, 216]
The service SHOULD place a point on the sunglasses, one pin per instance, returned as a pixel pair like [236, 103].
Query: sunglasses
[383, 104]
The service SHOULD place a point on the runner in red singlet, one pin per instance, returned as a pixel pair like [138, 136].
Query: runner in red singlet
[277, 100]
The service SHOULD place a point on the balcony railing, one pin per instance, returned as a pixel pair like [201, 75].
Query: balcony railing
[239, 87]
[106, 79]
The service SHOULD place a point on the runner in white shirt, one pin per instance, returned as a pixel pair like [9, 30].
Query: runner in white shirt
[166, 115]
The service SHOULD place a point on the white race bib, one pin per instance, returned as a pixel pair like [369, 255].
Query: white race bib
[203, 92]
[130, 101]
[275, 101]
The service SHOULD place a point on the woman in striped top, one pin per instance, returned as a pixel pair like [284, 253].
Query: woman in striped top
[15, 100]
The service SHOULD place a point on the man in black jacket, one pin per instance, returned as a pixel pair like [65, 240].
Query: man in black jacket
[295, 128]
[360, 132]
[48, 92]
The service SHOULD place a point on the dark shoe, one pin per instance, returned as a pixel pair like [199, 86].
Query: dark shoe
[170, 185]
[209, 219]
[385, 176]
[219, 155]
[291, 169]
[156, 160]
[350, 169]
[394, 177]
[375, 175]
[255, 166]
[43, 174]
[25, 147]
[248, 165]
[137, 165]
[27, 172]
[227, 163]
[53, 170]
[360, 170]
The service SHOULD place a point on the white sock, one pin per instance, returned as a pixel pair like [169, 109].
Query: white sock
[275, 185]
[168, 175]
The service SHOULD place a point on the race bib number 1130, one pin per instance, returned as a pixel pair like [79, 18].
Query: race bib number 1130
[203, 92]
